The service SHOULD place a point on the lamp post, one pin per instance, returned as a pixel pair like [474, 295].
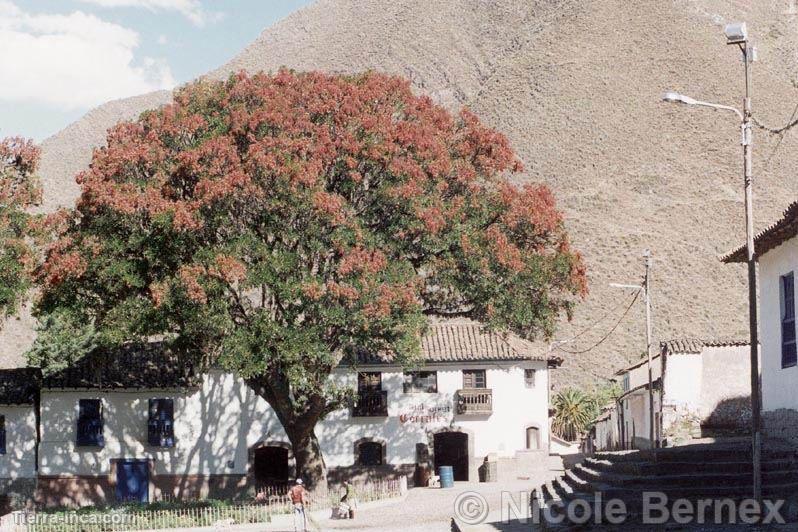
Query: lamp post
[645, 288]
[737, 34]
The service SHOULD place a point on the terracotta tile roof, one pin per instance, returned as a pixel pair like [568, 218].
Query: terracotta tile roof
[19, 386]
[132, 366]
[461, 340]
[464, 340]
[692, 345]
[683, 345]
[643, 361]
[782, 230]
[150, 367]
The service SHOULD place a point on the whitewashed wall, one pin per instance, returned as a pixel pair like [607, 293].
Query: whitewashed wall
[19, 462]
[636, 417]
[639, 376]
[778, 385]
[216, 425]
[683, 381]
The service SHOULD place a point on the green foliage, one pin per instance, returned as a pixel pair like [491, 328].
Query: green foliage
[275, 224]
[18, 191]
[576, 410]
[60, 341]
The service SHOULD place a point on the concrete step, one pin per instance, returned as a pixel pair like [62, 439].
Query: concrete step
[662, 468]
[634, 508]
[699, 453]
[654, 482]
[693, 472]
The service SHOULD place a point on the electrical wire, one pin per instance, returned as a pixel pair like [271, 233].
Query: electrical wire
[603, 338]
[792, 122]
[593, 325]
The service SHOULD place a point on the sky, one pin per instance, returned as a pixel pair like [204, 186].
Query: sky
[61, 58]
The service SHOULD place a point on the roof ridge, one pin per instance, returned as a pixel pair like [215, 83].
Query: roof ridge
[772, 236]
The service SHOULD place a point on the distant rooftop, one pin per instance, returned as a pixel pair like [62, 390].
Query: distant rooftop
[692, 345]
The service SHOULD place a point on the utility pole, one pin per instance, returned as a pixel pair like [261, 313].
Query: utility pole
[647, 294]
[753, 281]
[737, 33]
[645, 288]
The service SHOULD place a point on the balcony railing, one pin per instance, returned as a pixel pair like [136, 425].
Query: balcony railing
[475, 402]
[371, 403]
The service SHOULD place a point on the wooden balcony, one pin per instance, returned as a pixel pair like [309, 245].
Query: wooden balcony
[372, 403]
[475, 402]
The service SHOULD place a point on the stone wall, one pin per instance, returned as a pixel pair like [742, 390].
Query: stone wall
[782, 424]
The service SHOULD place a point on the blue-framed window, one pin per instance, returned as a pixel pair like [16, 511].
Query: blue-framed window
[787, 297]
[2, 434]
[90, 423]
[161, 424]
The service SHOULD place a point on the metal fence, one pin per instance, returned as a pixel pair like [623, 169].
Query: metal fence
[268, 502]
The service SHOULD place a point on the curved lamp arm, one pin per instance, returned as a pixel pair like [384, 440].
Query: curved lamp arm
[675, 97]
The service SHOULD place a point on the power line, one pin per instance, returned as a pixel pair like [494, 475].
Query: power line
[593, 325]
[792, 122]
[603, 338]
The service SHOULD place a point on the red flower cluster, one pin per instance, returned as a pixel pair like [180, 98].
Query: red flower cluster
[362, 193]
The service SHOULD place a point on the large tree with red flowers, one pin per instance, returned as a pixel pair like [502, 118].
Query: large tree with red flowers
[19, 191]
[276, 224]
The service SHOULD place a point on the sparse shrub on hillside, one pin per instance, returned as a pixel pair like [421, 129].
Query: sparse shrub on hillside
[275, 223]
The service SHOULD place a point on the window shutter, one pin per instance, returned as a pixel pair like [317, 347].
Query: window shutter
[2, 434]
[90, 423]
[167, 423]
[788, 337]
[474, 378]
[160, 425]
[153, 436]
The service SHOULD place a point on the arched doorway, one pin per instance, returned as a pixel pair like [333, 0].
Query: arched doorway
[270, 465]
[451, 449]
[532, 438]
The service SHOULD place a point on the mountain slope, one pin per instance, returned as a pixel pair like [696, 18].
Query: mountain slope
[576, 86]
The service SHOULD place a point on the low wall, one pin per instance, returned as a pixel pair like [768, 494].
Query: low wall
[359, 474]
[74, 491]
[16, 493]
[782, 424]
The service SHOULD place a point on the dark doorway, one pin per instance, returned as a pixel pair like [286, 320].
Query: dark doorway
[271, 465]
[451, 449]
[132, 481]
[532, 438]
[369, 453]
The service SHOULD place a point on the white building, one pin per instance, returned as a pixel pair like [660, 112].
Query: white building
[18, 397]
[777, 254]
[633, 416]
[134, 427]
[701, 388]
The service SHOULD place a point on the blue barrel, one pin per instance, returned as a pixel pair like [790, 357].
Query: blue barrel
[447, 476]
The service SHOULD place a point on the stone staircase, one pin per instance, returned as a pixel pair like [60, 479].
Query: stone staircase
[709, 471]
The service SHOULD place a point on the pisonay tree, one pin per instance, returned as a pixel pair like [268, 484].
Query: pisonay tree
[19, 191]
[276, 224]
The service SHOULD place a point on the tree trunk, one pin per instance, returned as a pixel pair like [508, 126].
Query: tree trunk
[299, 425]
[310, 466]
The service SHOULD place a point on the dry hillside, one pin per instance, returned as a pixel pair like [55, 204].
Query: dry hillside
[576, 87]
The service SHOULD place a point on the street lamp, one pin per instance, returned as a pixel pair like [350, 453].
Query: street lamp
[737, 33]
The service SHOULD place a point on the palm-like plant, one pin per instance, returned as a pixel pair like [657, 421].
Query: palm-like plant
[574, 411]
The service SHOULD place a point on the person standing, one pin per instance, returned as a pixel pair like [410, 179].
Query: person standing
[345, 506]
[299, 498]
